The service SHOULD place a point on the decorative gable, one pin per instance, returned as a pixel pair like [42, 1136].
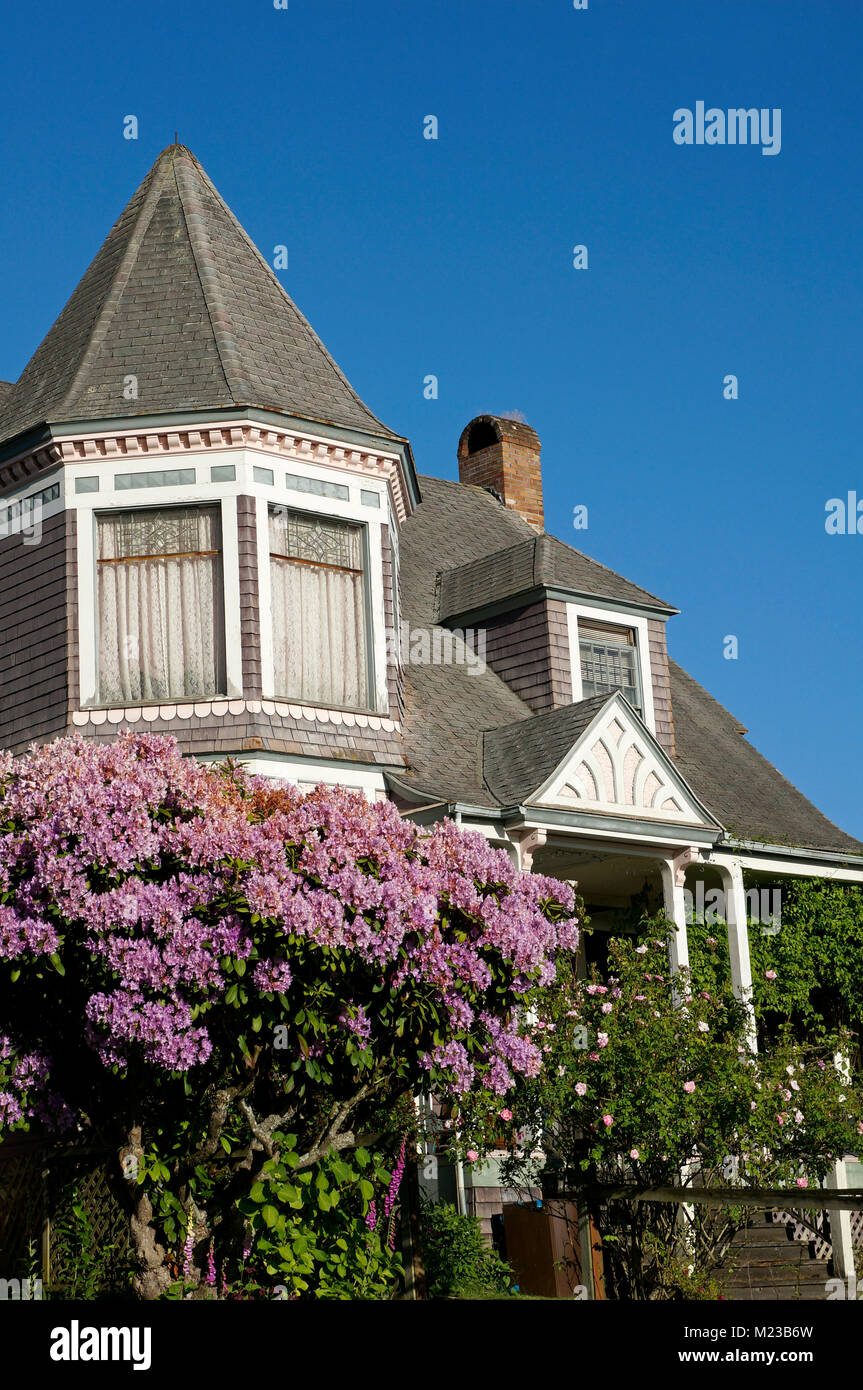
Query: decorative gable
[617, 767]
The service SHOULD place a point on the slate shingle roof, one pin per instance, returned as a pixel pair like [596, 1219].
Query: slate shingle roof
[457, 722]
[517, 758]
[743, 790]
[5, 388]
[180, 298]
[544, 561]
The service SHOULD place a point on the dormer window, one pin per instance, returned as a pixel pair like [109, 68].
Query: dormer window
[160, 603]
[319, 594]
[609, 661]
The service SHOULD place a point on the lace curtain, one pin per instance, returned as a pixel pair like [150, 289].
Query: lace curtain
[318, 600]
[161, 616]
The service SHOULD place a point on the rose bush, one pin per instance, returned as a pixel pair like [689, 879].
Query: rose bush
[639, 1089]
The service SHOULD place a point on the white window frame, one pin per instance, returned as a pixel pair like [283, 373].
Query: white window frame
[102, 503]
[616, 618]
[328, 508]
[202, 492]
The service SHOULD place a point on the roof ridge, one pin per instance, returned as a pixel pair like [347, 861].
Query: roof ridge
[208, 274]
[591, 561]
[273, 277]
[492, 554]
[151, 188]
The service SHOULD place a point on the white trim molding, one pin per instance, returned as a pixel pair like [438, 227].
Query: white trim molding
[576, 610]
[616, 767]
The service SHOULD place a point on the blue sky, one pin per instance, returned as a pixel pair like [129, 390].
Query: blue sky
[454, 258]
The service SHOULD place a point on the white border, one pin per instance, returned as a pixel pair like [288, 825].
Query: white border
[576, 610]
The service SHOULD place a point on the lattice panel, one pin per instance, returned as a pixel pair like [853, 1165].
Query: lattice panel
[814, 1228]
[84, 1181]
[21, 1213]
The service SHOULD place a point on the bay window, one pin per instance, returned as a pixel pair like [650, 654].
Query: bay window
[319, 609]
[160, 605]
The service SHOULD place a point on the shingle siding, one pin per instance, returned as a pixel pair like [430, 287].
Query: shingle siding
[395, 670]
[35, 634]
[244, 735]
[250, 621]
[529, 649]
[661, 684]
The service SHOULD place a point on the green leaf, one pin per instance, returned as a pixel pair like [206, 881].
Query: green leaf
[57, 964]
[270, 1215]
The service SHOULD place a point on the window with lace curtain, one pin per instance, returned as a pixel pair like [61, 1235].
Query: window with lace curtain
[160, 605]
[319, 609]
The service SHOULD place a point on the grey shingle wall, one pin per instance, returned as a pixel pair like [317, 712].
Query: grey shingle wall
[558, 652]
[395, 671]
[529, 649]
[246, 734]
[35, 615]
[661, 684]
[250, 621]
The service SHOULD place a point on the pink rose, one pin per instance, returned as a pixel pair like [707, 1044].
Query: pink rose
[472, 1155]
[580, 1088]
[689, 1087]
[633, 1153]
[506, 1114]
[770, 974]
[608, 1120]
[802, 1182]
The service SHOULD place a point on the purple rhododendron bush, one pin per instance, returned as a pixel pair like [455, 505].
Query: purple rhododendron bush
[236, 989]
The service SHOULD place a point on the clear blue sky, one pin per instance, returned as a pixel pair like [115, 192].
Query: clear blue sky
[454, 258]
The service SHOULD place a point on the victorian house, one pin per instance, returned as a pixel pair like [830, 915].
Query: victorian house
[205, 532]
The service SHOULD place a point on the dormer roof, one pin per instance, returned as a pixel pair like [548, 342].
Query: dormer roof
[517, 572]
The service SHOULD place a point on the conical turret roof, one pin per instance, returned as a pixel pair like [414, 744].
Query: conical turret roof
[180, 298]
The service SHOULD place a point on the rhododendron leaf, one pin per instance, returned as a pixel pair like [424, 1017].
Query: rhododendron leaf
[57, 964]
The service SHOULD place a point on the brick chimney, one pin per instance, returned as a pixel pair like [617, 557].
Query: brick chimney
[503, 454]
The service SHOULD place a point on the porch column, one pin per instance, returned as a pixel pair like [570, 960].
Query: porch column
[673, 877]
[840, 1225]
[738, 943]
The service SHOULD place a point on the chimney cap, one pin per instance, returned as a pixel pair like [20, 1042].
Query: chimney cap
[485, 430]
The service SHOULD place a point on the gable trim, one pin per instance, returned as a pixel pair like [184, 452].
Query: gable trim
[606, 763]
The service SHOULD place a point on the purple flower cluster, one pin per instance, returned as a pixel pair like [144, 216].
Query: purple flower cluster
[167, 873]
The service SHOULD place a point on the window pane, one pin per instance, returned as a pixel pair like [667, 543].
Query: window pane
[161, 615]
[609, 662]
[319, 619]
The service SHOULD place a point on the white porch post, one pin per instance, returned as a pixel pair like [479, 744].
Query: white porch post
[673, 877]
[840, 1226]
[738, 943]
